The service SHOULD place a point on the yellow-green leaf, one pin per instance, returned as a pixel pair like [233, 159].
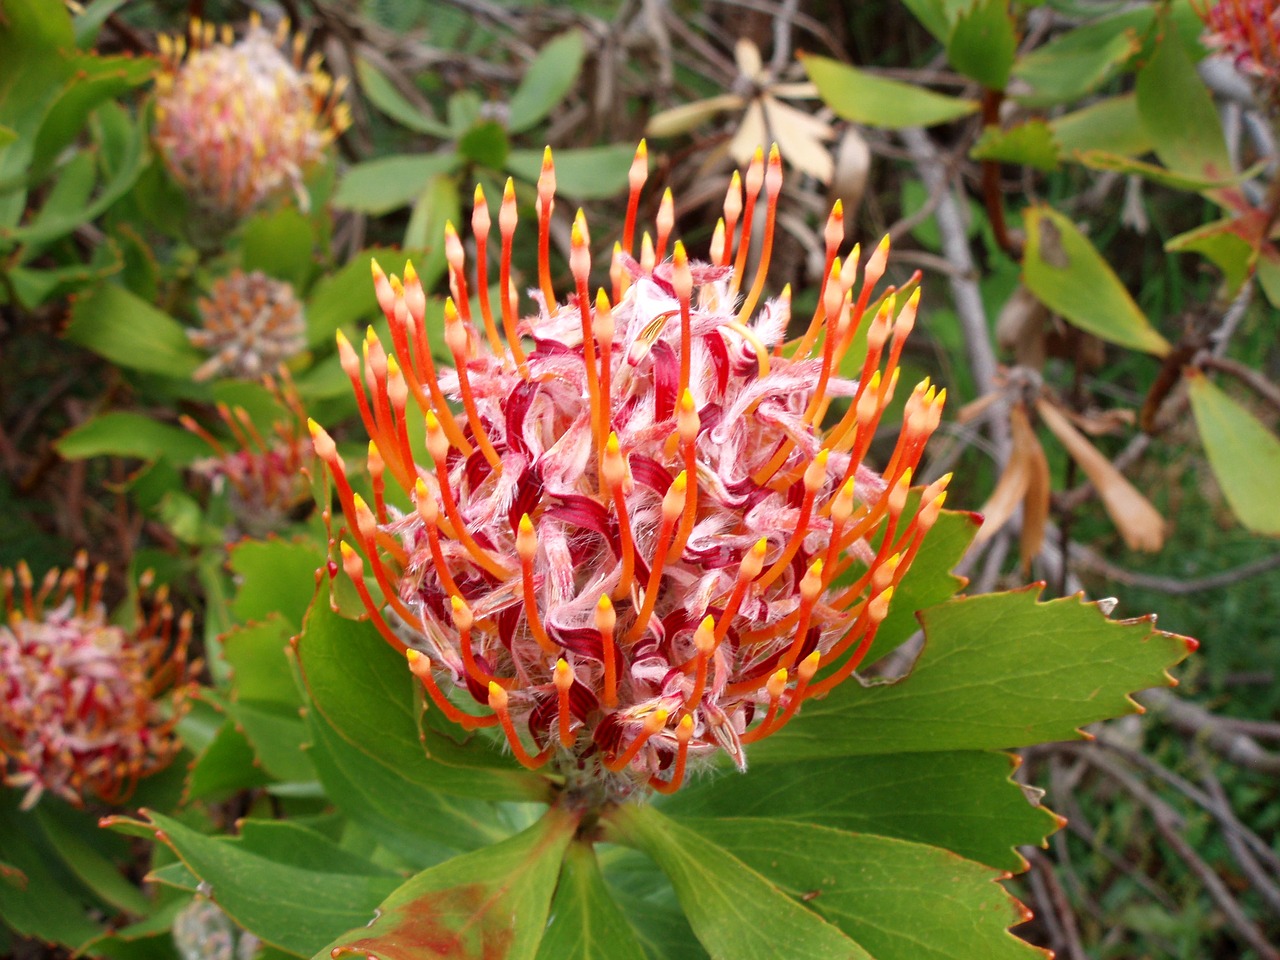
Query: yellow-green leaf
[879, 102]
[1244, 454]
[1065, 272]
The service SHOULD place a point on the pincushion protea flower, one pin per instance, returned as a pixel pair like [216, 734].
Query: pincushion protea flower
[250, 323]
[81, 710]
[237, 123]
[1248, 31]
[638, 545]
[267, 471]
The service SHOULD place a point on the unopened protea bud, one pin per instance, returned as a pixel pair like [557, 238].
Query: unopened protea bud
[638, 545]
[83, 703]
[239, 123]
[250, 324]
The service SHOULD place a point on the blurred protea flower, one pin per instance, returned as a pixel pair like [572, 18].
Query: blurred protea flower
[239, 122]
[250, 324]
[638, 546]
[265, 473]
[1247, 31]
[86, 707]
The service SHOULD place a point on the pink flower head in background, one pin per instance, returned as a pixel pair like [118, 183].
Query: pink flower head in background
[86, 707]
[266, 473]
[239, 122]
[639, 546]
[1248, 31]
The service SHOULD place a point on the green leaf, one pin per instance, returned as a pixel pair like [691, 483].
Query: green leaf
[364, 689]
[439, 202]
[645, 896]
[120, 433]
[983, 43]
[736, 913]
[112, 322]
[1223, 243]
[586, 923]
[41, 897]
[491, 903]
[1031, 144]
[1178, 113]
[1244, 454]
[383, 95]
[1099, 160]
[877, 102]
[275, 576]
[289, 886]
[1110, 126]
[935, 15]
[389, 183]
[1081, 60]
[265, 700]
[78, 842]
[900, 900]
[550, 76]
[963, 801]
[1062, 268]
[125, 171]
[589, 173]
[997, 671]
[226, 765]
[347, 296]
[485, 143]
[279, 243]
[94, 81]
[929, 580]
[91, 17]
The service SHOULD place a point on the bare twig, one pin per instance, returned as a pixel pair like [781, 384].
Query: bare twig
[1167, 822]
[1061, 918]
[1198, 722]
[1172, 586]
[1265, 887]
[1251, 378]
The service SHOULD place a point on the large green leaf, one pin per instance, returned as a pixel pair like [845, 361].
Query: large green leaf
[39, 895]
[929, 581]
[1062, 268]
[491, 904]
[878, 102]
[383, 95]
[79, 843]
[128, 331]
[288, 885]
[364, 689]
[1078, 62]
[1111, 126]
[1029, 144]
[997, 671]
[388, 183]
[737, 913]
[963, 801]
[275, 576]
[550, 76]
[1244, 454]
[121, 433]
[899, 900]
[587, 173]
[1178, 113]
[983, 42]
[586, 923]
[279, 243]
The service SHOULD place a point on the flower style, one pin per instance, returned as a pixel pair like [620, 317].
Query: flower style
[80, 705]
[250, 323]
[638, 545]
[267, 474]
[1248, 31]
[237, 123]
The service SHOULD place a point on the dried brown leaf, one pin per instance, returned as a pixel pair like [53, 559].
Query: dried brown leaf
[1138, 521]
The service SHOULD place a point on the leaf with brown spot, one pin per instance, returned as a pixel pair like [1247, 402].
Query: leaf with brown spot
[1138, 521]
[490, 904]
